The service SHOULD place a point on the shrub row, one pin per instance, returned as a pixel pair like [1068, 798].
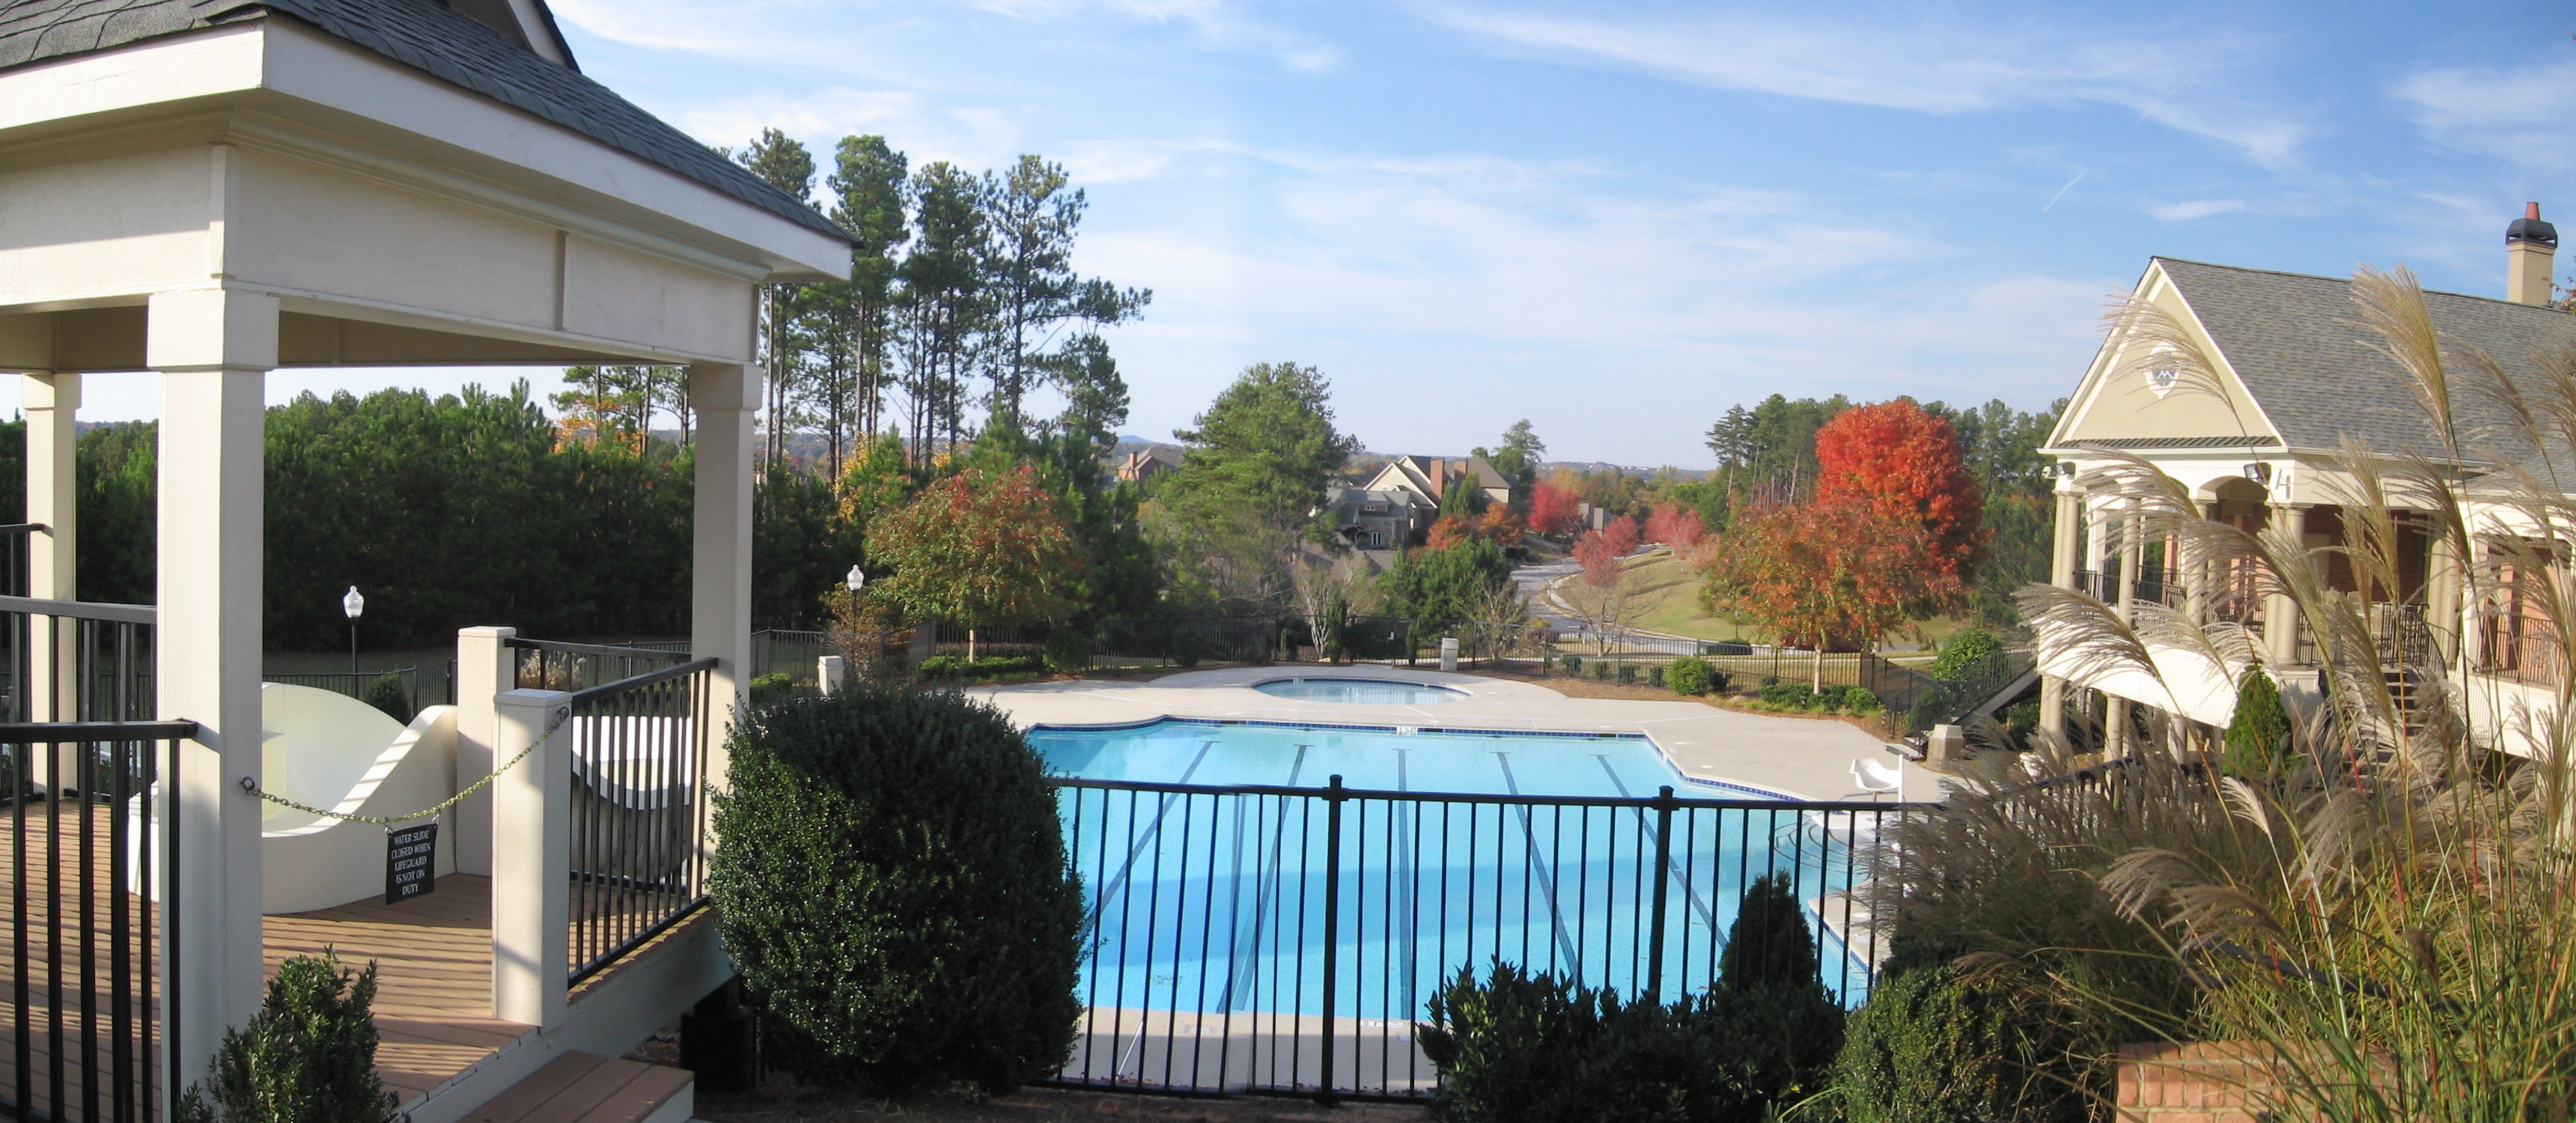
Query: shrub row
[940, 668]
[1832, 699]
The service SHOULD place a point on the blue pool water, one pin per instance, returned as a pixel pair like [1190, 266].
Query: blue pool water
[1359, 691]
[1215, 902]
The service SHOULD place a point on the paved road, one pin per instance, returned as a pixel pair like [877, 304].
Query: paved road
[1534, 581]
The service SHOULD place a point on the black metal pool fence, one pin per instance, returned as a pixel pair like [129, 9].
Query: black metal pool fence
[1285, 939]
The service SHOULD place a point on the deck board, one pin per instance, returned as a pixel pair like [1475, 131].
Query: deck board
[433, 957]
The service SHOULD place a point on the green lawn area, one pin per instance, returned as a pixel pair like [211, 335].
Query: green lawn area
[1672, 590]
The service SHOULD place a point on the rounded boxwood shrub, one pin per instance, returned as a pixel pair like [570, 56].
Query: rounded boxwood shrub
[1068, 650]
[893, 886]
[1692, 675]
[1861, 700]
[1932, 1047]
[1573, 664]
[308, 1056]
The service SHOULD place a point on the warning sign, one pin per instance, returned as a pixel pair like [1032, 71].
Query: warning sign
[410, 861]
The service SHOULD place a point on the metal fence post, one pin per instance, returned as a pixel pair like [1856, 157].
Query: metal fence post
[1332, 924]
[1663, 883]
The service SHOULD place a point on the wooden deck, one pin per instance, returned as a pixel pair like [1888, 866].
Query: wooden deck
[433, 959]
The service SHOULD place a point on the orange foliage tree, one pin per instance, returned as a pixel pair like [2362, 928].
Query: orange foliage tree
[1828, 572]
[1447, 531]
[1905, 464]
[1499, 526]
[979, 549]
[1553, 509]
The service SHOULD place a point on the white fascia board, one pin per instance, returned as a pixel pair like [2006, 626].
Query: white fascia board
[317, 68]
[276, 65]
[127, 81]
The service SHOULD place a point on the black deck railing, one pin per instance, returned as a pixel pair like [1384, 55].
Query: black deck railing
[106, 647]
[551, 665]
[1286, 939]
[639, 809]
[92, 863]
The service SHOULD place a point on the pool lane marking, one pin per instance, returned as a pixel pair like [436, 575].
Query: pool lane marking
[1672, 865]
[1239, 965]
[1546, 876]
[1153, 833]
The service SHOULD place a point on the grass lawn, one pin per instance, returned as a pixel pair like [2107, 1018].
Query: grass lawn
[1672, 594]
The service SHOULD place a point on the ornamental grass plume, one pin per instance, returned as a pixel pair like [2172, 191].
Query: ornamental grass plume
[2389, 908]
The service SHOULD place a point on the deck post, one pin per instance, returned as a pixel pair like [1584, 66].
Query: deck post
[532, 860]
[51, 401]
[725, 397]
[213, 349]
[484, 668]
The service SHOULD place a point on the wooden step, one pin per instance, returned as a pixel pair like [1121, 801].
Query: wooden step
[588, 1088]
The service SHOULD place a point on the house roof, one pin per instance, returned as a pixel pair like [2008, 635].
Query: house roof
[426, 35]
[2298, 344]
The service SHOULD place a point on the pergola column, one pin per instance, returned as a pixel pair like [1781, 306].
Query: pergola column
[52, 402]
[2280, 612]
[725, 397]
[2066, 549]
[2133, 554]
[213, 349]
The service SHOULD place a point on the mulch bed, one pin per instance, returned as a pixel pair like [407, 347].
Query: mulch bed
[781, 1102]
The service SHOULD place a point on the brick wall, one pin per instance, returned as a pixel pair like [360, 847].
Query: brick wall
[2196, 1082]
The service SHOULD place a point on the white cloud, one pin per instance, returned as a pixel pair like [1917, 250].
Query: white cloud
[2197, 208]
[2525, 115]
[1925, 67]
[1220, 24]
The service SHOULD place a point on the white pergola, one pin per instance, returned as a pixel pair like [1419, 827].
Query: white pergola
[212, 191]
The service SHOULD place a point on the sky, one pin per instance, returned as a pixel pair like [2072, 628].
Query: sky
[1619, 219]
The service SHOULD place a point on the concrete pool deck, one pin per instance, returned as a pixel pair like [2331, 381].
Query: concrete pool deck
[1802, 758]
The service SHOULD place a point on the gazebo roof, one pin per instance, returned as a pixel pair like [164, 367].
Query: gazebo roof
[424, 34]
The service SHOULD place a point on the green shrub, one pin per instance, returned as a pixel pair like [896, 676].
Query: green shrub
[1789, 695]
[2258, 737]
[1628, 673]
[1068, 650]
[1830, 698]
[1691, 675]
[1600, 670]
[1655, 676]
[1538, 1049]
[771, 687]
[893, 889]
[386, 693]
[1573, 664]
[1860, 700]
[942, 667]
[1730, 647]
[308, 1056]
[1972, 653]
[1930, 1047]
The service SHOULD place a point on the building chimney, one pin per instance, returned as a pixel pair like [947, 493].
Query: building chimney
[2531, 257]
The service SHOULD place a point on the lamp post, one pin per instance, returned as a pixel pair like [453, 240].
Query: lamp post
[355, 605]
[854, 579]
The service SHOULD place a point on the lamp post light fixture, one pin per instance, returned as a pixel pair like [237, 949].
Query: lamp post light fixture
[355, 606]
[855, 578]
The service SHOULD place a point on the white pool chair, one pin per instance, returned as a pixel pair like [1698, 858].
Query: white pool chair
[1878, 779]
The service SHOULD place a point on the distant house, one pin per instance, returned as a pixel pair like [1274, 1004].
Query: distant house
[1148, 462]
[1398, 504]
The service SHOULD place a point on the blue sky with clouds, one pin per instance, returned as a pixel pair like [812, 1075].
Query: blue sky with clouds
[1618, 219]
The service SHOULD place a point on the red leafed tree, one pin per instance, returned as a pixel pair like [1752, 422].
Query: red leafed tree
[1553, 509]
[1677, 527]
[1447, 531]
[1905, 464]
[1599, 551]
[979, 549]
[1826, 572]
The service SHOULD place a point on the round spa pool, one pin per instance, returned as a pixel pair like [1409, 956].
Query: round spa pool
[1359, 691]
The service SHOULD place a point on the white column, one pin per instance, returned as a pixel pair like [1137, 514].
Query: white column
[2280, 613]
[213, 349]
[531, 863]
[53, 490]
[725, 398]
[2066, 546]
[484, 668]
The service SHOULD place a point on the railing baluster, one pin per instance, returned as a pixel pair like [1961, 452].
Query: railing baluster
[1332, 926]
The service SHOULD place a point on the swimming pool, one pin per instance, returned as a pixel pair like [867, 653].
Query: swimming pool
[1221, 873]
[1359, 691]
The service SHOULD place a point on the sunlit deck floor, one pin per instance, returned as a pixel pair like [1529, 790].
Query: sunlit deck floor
[433, 959]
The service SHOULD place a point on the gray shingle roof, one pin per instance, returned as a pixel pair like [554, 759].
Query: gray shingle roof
[2300, 347]
[425, 35]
